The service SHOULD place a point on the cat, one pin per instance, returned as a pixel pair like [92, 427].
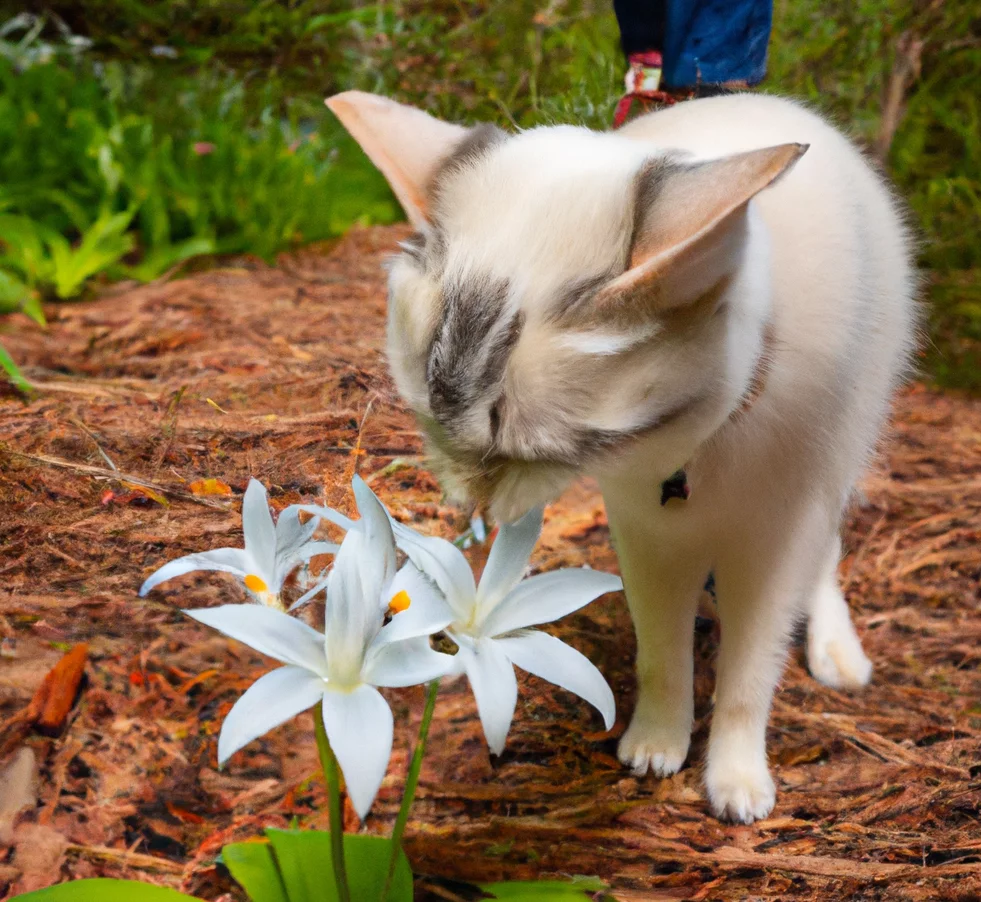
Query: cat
[723, 287]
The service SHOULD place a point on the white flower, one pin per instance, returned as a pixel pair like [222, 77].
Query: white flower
[490, 623]
[271, 552]
[377, 627]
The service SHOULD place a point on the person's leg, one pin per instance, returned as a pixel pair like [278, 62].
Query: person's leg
[716, 42]
[642, 28]
[700, 47]
[642, 24]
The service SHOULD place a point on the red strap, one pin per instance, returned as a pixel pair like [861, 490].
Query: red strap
[626, 102]
[622, 110]
[639, 62]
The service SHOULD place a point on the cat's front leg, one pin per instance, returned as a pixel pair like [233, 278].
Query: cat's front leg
[663, 579]
[763, 576]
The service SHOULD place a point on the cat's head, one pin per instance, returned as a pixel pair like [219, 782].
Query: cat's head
[563, 296]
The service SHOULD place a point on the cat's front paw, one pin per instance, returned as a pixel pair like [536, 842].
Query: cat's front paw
[647, 746]
[740, 794]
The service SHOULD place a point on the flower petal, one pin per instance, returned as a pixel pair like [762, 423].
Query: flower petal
[363, 568]
[312, 549]
[377, 528]
[509, 558]
[406, 663]
[494, 685]
[226, 560]
[269, 632]
[259, 531]
[291, 534]
[270, 701]
[352, 617]
[329, 514]
[310, 593]
[359, 727]
[427, 612]
[292, 543]
[551, 659]
[547, 597]
[444, 564]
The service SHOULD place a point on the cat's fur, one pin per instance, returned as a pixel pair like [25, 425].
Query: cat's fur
[614, 304]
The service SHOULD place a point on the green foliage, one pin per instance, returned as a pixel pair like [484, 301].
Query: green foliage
[13, 372]
[842, 56]
[117, 161]
[41, 256]
[576, 890]
[104, 891]
[203, 120]
[295, 866]
[253, 865]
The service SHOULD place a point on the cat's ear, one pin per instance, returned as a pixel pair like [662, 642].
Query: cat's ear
[406, 144]
[689, 224]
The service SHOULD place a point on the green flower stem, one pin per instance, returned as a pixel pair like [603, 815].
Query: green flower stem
[332, 776]
[411, 783]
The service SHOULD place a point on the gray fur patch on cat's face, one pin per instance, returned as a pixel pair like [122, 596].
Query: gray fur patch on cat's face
[493, 337]
[470, 347]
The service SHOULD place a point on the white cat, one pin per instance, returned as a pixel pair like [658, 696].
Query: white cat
[628, 304]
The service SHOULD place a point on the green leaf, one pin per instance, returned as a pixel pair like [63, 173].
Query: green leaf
[13, 372]
[576, 890]
[326, 20]
[157, 262]
[303, 860]
[253, 865]
[14, 294]
[105, 242]
[104, 891]
[32, 307]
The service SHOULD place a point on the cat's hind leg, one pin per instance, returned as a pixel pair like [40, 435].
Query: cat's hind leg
[834, 652]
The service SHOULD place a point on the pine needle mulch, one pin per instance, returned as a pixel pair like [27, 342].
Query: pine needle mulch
[149, 392]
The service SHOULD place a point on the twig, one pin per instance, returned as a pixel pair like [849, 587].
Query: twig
[79, 424]
[905, 71]
[103, 473]
[126, 858]
[870, 741]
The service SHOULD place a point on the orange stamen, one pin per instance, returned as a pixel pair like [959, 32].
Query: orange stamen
[400, 602]
[256, 584]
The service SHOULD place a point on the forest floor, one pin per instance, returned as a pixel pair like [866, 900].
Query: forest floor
[279, 373]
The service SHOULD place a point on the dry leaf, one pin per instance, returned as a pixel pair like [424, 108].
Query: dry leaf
[210, 487]
[55, 696]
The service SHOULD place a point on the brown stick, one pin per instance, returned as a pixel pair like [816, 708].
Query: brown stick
[905, 70]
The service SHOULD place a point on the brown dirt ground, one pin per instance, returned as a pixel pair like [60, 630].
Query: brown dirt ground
[278, 373]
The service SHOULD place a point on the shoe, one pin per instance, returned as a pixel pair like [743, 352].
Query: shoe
[643, 86]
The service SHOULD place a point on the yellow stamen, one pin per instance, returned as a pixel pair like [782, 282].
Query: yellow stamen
[255, 583]
[400, 602]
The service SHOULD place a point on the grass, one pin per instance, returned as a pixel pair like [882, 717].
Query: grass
[156, 133]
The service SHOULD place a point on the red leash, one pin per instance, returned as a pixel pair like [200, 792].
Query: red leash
[643, 83]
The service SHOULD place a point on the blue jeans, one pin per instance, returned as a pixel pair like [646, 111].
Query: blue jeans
[704, 42]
